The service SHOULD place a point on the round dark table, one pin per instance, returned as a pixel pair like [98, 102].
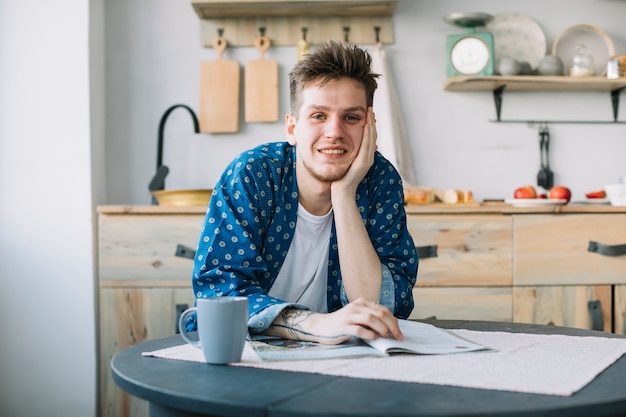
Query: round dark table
[179, 388]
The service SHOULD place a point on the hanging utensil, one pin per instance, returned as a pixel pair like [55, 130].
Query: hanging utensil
[545, 177]
[304, 48]
[549, 174]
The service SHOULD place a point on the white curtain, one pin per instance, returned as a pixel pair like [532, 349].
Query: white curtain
[392, 136]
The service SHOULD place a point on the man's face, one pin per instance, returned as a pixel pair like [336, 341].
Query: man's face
[328, 129]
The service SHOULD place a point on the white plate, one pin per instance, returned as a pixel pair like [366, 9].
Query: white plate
[596, 41]
[535, 202]
[594, 201]
[517, 36]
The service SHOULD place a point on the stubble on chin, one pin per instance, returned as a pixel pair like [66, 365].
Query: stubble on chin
[328, 176]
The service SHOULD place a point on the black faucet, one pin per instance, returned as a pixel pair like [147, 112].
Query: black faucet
[158, 181]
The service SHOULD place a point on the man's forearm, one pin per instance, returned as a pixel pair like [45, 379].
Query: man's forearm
[297, 324]
[361, 270]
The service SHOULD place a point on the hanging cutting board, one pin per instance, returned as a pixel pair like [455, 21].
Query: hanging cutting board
[261, 86]
[219, 93]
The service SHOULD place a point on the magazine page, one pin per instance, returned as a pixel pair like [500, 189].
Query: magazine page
[425, 339]
[289, 350]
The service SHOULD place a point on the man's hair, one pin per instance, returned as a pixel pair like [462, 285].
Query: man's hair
[332, 61]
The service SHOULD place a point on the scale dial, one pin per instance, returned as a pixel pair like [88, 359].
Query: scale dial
[470, 55]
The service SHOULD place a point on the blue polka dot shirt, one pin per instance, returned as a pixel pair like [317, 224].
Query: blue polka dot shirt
[251, 221]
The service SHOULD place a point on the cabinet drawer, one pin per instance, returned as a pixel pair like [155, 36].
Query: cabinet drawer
[553, 249]
[467, 303]
[564, 306]
[473, 250]
[140, 249]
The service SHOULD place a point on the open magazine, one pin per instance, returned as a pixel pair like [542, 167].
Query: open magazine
[419, 338]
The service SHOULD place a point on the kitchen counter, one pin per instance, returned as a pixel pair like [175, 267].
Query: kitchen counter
[477, 208]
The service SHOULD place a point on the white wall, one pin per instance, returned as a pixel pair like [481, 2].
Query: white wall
[154, 52]
[47, 309]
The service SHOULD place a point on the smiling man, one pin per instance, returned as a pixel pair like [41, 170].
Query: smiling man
[313, 230]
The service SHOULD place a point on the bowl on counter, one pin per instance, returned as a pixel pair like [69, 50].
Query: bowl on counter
[199, 197]
[616, 194]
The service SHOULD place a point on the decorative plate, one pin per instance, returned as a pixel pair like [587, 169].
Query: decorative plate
[596, 41]
[535, 202]
[519, 37]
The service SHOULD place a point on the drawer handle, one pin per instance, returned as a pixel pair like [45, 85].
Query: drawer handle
[185, 251]
[426, 251]
[606, 250]
[595, 311]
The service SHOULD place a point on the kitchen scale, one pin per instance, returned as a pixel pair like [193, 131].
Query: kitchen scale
[470, 53]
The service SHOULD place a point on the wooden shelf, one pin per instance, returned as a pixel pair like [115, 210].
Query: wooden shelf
[211, 9]
[284, 20]
[499, 84]
[534, 83]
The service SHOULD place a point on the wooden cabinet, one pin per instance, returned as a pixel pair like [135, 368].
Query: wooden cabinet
[468, 303]
[522, 265]
[143, 286]
[558, 279]
[553, 249]
[130, 316]
[486, 263]
[580, 306]
[470, 276]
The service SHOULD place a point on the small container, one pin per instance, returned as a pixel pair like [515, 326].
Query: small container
[612, 69]
[582, 63]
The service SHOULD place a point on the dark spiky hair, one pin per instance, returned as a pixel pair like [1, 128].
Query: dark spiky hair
[332, 61]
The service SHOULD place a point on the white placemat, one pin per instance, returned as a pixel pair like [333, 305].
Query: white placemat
[529, 363]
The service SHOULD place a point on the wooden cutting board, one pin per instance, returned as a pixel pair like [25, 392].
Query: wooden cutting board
[219, 93]
[261, 86]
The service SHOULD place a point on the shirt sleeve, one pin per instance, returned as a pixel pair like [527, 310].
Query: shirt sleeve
[386, 296]
[262, 320]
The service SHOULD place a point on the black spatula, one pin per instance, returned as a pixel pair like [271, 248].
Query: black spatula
[545, 177]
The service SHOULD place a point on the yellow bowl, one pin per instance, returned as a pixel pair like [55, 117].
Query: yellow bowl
[183, 197]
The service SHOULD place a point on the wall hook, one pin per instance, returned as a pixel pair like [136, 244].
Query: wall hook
[218, 42]
[262, 31]
[304, 32]
[377, 32]
[346, 34]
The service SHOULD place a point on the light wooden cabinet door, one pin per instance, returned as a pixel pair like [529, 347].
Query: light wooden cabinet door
[463, 303]
[130, 316]
[471, 250]
[144, 283]
[554, 249]
[584, 307]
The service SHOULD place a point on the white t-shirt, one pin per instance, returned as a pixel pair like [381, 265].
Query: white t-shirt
[303, 277]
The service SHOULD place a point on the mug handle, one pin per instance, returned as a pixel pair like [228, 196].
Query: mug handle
[181, 327]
